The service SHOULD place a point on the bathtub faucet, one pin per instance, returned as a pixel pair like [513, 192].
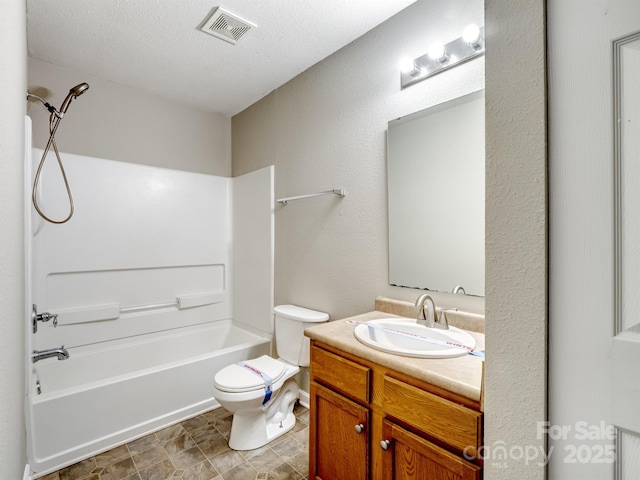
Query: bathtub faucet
[61, 353]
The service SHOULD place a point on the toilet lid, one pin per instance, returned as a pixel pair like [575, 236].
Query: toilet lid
[236, 378]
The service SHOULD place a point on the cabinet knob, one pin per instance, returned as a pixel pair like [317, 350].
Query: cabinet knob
[384, 444]
[359, 428]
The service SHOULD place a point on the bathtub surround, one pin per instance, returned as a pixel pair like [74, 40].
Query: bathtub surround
[144, 286]
[252, 260]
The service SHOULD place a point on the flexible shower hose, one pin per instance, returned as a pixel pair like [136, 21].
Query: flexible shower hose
[54, 121]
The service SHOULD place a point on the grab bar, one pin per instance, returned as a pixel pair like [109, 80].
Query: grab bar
[339, 192]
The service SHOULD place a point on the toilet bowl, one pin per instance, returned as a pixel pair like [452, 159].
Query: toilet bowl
[262, 392]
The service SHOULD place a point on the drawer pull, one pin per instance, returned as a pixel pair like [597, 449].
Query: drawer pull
[384, 444]
[359, 428]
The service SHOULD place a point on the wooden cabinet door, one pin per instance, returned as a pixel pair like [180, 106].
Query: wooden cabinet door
[336, 450]
[410, 457]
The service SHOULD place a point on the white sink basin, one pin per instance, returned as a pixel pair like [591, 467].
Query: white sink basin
[409, 339]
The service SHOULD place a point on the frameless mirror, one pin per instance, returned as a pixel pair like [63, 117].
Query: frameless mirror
[435, 161]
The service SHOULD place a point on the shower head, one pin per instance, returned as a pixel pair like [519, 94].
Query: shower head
[79, 89]
[75, 92]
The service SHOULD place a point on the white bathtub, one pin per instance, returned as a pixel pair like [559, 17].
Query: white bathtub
[104, 396]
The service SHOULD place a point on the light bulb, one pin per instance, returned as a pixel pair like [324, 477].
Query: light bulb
[408, 66]
[471, 35]
[437, 52]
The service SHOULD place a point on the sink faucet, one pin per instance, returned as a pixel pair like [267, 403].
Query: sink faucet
[431, 319]
[61, 353]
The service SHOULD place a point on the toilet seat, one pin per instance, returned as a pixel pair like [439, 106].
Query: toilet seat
[235, 378]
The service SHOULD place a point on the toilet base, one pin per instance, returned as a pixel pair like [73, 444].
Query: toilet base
[255, 427]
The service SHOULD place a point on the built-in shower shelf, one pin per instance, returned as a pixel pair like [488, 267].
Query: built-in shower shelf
[98, 313]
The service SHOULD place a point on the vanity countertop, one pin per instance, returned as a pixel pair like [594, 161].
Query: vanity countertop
[460, 375]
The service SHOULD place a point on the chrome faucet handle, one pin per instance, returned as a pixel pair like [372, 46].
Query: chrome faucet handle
[42, 317]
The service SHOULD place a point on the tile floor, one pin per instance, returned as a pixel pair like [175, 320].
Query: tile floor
[197, 449]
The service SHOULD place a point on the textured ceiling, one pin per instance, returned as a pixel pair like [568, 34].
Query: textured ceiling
[156, 45]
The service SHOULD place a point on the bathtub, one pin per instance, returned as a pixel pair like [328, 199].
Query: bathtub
[105, 396]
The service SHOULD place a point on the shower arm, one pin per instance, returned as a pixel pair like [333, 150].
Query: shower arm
[46, 104]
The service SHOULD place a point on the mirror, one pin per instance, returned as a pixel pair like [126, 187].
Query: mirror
[435, 161]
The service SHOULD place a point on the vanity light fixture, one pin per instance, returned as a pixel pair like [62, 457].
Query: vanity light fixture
[438, 53]
[471, 36]
[409, 67]
[442, 57]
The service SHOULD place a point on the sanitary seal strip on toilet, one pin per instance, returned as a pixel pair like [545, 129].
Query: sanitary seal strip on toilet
[265, 378]
[239, 378]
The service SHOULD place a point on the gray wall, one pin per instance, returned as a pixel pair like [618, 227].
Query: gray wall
[13, 80]
[326, 129]
[516, 235]
[117, 122]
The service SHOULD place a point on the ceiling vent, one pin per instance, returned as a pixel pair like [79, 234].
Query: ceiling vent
[227, 26]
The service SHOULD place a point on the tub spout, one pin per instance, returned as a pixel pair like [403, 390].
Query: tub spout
[61, 353]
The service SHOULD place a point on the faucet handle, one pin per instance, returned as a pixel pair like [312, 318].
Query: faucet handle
[442, 322]
[42, 317]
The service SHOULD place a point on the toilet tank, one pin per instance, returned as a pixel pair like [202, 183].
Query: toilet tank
[291, 321]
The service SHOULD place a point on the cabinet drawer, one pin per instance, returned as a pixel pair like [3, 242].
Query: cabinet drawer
[451, 423]
[344, 375]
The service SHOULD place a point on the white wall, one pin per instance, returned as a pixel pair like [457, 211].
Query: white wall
[117, 122]
[13, 75]
[325, 129]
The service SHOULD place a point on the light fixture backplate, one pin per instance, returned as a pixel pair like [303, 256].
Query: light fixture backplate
[458, 51]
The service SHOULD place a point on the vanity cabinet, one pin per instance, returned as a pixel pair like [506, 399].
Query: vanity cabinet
[370, 422]
[342, 441]
[411, 457]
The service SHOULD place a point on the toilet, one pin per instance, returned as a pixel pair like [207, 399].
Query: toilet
[262, 392]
